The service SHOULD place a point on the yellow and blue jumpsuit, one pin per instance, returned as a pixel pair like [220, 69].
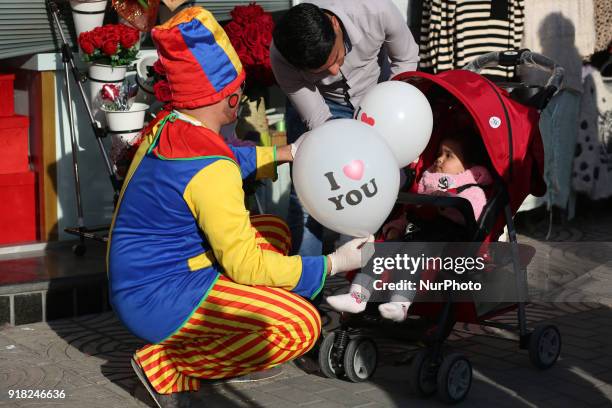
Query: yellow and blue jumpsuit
[209, 287]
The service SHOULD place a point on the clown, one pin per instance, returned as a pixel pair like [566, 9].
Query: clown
[209, 287]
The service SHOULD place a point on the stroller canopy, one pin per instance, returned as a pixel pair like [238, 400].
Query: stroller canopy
[509, 130]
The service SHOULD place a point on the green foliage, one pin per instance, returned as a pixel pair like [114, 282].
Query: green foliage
[122, 57]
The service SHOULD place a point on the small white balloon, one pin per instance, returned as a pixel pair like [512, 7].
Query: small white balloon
[402, 116]
[346, 177]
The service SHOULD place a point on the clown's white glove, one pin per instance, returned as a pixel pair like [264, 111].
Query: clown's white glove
[296, 145]
[349, 256]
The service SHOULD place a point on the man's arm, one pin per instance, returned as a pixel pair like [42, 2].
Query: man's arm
[304, 96]
[403, 51]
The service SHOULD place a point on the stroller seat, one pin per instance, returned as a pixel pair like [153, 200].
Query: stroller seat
[475, 230]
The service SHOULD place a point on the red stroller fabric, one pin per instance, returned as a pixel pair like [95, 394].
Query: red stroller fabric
[508, 129]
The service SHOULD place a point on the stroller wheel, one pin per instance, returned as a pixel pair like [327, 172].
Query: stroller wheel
[329, 363]
[454, 378]
[544, 346]
[422, 374]
[79, 249]
[360, 359]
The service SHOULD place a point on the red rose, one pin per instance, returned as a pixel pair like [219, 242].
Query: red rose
[98, 41]
[129, 39]
[98, 32]
[159, 68]
[266, 22]
[97, 37]
[110, 47]
[86, 44]
[238, 15]
[239, 47]
[233, 30]
[162, 91]
[245, 14]
[111, 36]
[246, 57]
[251, 36]
[252, 11]
[113, 29]
[124, 29]
[266, 38]
[259, 53]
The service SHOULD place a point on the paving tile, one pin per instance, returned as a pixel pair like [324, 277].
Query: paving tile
[585, 394]
[386, 398]
[254, 398]
[309, 385]
[28, 308]
[586, 354]
[292, 395]
[5, 310]
[343, 398]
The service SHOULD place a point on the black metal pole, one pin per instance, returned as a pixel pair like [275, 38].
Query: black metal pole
[79, 78]
[74, 144]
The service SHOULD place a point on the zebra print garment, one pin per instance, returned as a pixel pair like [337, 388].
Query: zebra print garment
[454, 32]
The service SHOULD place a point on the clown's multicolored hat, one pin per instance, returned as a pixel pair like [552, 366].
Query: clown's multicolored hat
[201, 65]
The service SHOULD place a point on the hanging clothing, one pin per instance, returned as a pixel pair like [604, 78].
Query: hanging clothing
[562, 30]
[592, 173]
[559, 130]
[603, 24]
[454, 32]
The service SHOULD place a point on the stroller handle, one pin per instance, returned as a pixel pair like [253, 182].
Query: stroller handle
[522, 57]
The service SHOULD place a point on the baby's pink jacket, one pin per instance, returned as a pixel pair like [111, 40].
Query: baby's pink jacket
[446, 184]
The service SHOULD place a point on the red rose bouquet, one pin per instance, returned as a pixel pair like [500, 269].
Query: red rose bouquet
[111, 44]
[250, 32]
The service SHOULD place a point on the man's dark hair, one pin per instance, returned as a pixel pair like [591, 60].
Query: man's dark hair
[305, 36]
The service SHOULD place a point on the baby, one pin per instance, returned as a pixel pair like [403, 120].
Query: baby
[453, 173]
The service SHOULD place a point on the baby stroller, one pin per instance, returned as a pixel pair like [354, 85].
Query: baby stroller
[506, 117]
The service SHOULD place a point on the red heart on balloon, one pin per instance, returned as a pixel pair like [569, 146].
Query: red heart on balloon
[366, 119]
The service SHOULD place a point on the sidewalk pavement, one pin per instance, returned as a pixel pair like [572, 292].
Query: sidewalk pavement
[88, 358]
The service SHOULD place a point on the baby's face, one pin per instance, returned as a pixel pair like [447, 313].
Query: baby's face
[450, 158]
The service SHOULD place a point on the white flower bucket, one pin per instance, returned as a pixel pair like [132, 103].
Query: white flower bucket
[100, 75]
[121, 122]
[87, 14]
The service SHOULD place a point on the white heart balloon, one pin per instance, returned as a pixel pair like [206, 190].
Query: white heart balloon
[346, 177]
[402, 116]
